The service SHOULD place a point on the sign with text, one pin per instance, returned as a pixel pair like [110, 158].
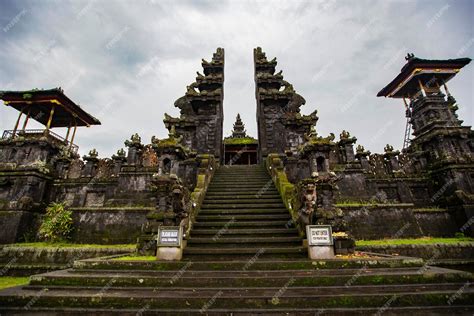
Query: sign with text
[169, 237]
[319, 235]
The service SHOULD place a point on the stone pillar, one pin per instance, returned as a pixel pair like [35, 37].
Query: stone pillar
[361, 155]
[134, 149]
[91, 163]
[118, 159]
[346, 144]
[391, 158]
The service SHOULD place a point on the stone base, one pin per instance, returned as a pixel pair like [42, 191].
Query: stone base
[169, 253]
[321, 252]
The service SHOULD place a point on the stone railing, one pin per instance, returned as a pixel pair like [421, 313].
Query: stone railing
[175, 204]
[38, 133]
[287, 190]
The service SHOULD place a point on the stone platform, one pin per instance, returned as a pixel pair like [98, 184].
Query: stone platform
[397, 285]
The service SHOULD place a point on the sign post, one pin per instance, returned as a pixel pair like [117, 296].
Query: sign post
[169, 243]
[320, 241]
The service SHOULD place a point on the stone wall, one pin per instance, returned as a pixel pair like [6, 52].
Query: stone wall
[18, 226]
[432, 252]
[21, 260]
[108, 225]
[397, 221]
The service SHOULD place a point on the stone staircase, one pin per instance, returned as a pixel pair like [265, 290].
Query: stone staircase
[244, 259]
[243, 215]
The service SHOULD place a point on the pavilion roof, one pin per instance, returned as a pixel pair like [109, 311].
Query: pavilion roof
[40, 102]
[428, 71]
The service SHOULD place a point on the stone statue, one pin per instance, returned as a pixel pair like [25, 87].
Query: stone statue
[184, 105]
[295, 103]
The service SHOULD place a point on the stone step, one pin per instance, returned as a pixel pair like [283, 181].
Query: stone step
[270, 212]
[235, 184]
[249, 217]
[238, 195]
[243, 194]
[231, 200]
[249, 292]
[279, 205]
[254, 279]
[242, 176]
[242, 224]
[267, 251]
[239, 311]
[243, 183]
[240, 240]
[245, 232]
[227, 191]
[240, 179]
[262, 264]
[280, 210]
[242, 171]
[286, 273]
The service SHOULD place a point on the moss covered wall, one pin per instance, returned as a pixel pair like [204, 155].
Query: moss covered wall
[397, 221]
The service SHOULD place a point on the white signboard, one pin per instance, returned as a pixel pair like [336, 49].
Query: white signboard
[169, 236]
[319, 235]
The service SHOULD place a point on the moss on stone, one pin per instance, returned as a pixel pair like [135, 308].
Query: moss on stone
[136, 258]
[72, 245]
[241, 141]
[413, 241]
[6, 281]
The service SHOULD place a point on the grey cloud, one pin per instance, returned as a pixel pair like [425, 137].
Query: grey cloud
[338, 54]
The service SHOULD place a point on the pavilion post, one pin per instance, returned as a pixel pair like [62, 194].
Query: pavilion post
[68, 130]
[422, 89]
[446, 89]
[26, 120]
[73, 135]
[17, 123]
[51, 113]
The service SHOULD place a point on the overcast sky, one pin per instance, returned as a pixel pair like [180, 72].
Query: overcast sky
[126, 62]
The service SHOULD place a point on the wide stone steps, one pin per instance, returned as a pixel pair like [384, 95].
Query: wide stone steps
[243, 215]
[271, 298]
[247, 287]
[266, 291]
[255, 279]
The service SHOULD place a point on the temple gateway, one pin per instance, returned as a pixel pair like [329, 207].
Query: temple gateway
[290, 195]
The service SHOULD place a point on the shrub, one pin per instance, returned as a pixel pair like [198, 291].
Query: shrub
[57, 223]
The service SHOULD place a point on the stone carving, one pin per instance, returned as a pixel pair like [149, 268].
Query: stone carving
[295, 103]
[184, 106]
[149, 158]
[75, 169]
[201, 110]
[104, 168]
[281, 127]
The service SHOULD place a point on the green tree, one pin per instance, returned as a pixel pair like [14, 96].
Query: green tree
[57, 223]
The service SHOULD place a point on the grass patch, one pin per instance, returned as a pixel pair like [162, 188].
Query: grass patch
[413, 241]
[71, 245]
[7, 281]
[136, 258]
